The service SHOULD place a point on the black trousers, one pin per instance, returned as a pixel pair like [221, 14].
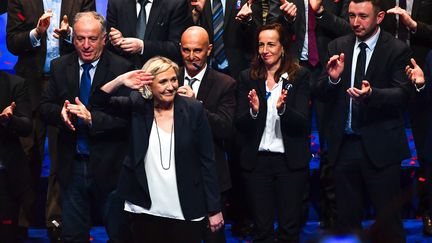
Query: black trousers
[356, 176]
[275, 191]
[152, 229]
[9, 207]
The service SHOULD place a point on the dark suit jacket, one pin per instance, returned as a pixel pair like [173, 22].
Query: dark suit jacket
[380, 121]
[425, 103]
[195, 166]
[421, 40]
[332, 24]
[295, 121]
[3, 7]
[236, 36]
[14, 89]
[217, 94]
[23, 16]
[167, 21]
[107, 135]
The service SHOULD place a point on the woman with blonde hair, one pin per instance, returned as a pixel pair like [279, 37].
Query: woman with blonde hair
[169, 179]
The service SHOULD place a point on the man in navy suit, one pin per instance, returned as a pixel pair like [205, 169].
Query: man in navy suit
[91, 144]
[366, 88]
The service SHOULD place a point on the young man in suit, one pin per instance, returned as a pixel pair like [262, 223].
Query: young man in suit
[38, 32]
[366, 88]
[140, 30]
[91, 144]
[216, 91]
[15, 121]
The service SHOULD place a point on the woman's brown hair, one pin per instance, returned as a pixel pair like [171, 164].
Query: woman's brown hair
[288, 63]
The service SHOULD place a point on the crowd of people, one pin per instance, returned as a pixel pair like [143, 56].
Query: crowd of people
[166, 111]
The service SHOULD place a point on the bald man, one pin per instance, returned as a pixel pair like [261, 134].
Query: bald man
[216, 91]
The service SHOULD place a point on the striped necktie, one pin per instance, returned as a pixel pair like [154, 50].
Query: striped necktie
[218, 44]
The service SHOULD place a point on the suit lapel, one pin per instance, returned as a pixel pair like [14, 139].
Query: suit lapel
[377, 55]
[180, 76]
[131, 17]
[101, 73]
[415, 8]
[66, 8]
[229, 10]
[206, 85]
[208, 15]
[72, 76]
[153, 18]
[38, 7]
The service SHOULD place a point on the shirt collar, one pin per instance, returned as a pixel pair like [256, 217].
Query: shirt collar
[371, 42]
[199, 76]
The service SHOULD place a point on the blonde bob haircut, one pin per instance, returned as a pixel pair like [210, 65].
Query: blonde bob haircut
[156, 65]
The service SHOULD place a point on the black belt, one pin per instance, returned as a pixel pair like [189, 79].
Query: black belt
[82, 157]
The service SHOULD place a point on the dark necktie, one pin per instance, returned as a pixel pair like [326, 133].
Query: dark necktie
[358, 78]
[85, 85]
[218, 44]
[402, 29]
[312, 44]
[191, 81]
[141, 21]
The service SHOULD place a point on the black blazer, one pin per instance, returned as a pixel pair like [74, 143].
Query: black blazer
[381, 124]
[195, 166]
[421, 40]
[236, 35]
[217, 94]
[107, 135]
[14, 89]
[295, 121]
[425, 104]
[22, 17]
[167, 21]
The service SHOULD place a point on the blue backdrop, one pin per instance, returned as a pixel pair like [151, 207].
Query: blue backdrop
[7, 60]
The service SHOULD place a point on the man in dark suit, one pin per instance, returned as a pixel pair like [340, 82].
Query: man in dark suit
[158, 33]
[91, 144]
[15, 121]
[411, 22]
[237, 49]
[31, 27]
[216, 91]
[365, 88]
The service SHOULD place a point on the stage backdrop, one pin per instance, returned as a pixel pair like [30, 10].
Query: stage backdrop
[7, 60]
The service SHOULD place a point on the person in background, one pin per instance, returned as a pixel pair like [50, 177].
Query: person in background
[15, 184]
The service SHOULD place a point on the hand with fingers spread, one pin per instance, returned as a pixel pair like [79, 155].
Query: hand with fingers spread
[43, 23]
[404, 17]
[216, 222]
[415, 74]
[7, 113]
[135, 79]
[80, 111]
[186, 90]
[335, 66]
[67, 116]
[115, 37]
[281, 100]
[289, 9]
[253, 101]
[64, 29]
[359, 94]
[245, 13]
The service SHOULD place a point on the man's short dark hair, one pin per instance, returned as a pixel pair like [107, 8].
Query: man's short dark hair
[375, 3]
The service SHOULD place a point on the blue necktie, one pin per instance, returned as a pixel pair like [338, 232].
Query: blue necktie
[218, 45]
[85, 85]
